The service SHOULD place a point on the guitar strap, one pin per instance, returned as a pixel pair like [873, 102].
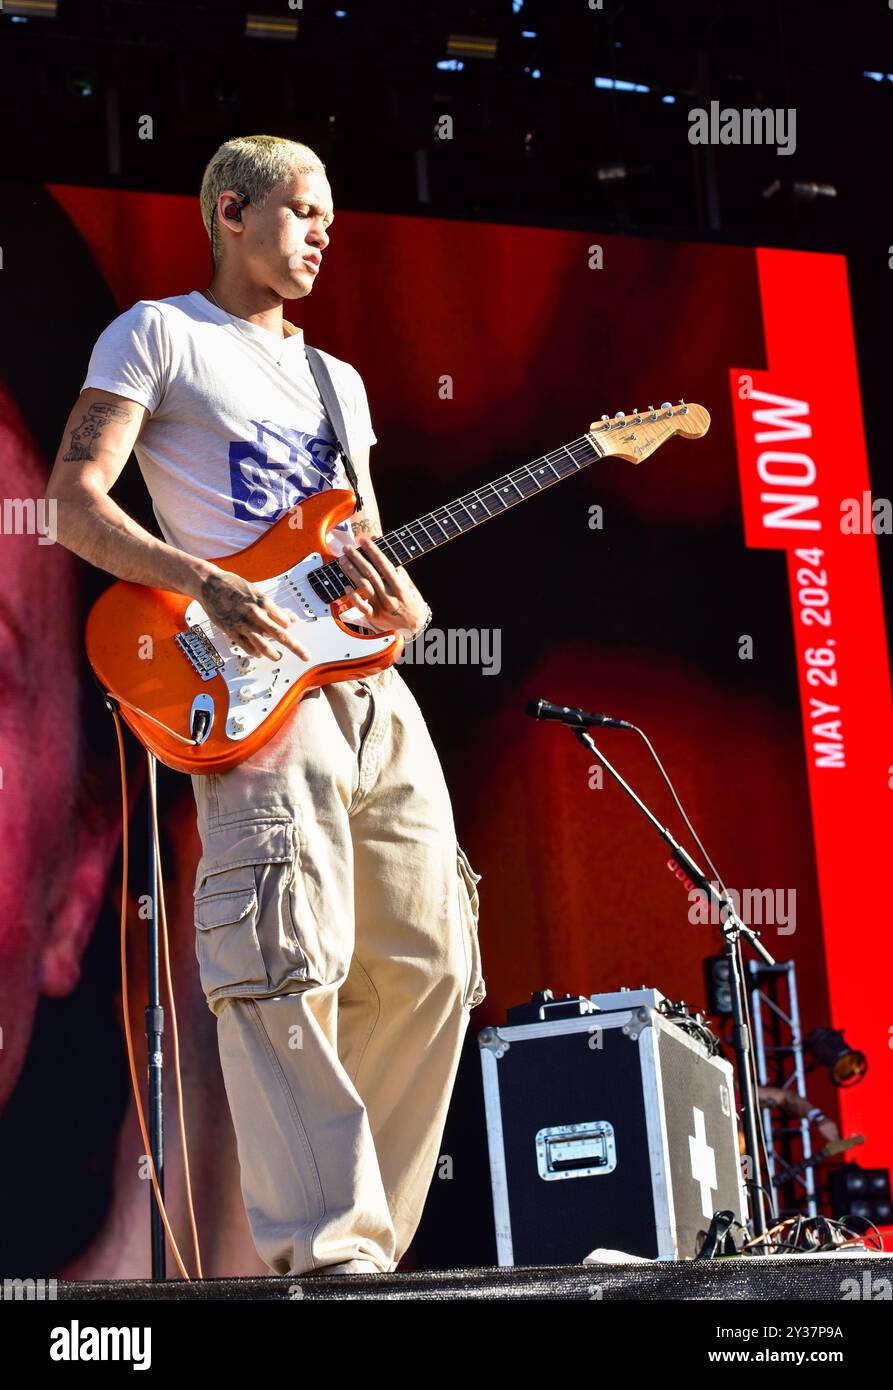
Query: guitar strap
[326, 387]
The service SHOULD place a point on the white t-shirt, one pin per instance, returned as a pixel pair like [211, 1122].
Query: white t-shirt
[237, 432]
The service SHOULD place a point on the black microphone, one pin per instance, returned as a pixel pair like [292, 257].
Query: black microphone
[576, 718]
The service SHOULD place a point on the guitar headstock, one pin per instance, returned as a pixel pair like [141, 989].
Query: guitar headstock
[638, 434]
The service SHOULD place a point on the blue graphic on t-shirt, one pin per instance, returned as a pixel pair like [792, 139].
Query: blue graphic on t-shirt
[279, 468]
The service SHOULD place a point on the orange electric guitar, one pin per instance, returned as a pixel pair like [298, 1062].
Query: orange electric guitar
[201, 705]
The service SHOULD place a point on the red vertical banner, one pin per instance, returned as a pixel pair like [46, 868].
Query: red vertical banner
[805, 489]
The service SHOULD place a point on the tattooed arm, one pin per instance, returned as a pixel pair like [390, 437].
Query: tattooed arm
[96, 444]
[367, 522]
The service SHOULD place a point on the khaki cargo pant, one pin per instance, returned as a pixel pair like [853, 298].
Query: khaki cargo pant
[336, 935]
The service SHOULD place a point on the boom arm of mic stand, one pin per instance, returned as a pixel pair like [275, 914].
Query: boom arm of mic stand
[732, 928]
[731, 922]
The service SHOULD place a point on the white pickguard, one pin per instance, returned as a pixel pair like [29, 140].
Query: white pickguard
[256, 684]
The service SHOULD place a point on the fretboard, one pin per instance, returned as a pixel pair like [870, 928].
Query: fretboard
[455, 518]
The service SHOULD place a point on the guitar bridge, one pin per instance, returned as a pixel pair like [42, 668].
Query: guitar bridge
[200, 652]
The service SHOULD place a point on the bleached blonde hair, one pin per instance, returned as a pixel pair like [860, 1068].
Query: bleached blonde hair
[252, 164]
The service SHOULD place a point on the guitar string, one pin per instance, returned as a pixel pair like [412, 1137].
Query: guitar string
[417, 530]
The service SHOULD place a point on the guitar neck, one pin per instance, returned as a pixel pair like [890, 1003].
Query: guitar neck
[445, 523]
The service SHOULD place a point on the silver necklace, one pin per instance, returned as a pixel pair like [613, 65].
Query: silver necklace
[234, 317]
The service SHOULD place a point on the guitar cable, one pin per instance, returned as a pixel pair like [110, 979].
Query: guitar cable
[762, 1141]
[190, 742]
[125, 1002]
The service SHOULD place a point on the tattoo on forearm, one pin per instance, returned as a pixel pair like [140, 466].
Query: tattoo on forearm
[367, 522]
[85, 436]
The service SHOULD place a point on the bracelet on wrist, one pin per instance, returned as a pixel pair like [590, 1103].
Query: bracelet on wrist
[418, 632]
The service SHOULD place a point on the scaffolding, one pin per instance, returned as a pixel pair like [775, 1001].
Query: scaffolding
[778, 1051]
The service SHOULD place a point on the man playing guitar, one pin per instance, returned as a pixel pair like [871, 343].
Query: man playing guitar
[335, 913]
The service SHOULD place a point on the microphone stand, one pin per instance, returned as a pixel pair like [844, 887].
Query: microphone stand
[732, 929]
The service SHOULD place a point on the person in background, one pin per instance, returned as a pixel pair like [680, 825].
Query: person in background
[73, 1187]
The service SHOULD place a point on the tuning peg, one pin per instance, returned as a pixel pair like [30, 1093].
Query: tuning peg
[684, 410]
[653, 415]
[619, 415]
[665, 405]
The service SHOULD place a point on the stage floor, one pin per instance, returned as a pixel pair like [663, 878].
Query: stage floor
[834, 1277]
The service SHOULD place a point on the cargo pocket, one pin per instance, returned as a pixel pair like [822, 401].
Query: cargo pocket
[226, 942]
[246, 942]
[476, 989]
